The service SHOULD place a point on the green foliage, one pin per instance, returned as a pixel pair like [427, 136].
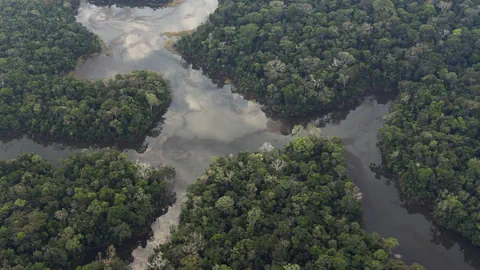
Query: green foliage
[39, 43]
[41, 37]
[431, 140]
[302, 57]
[431, 137]
[51, 216]
[286, 209]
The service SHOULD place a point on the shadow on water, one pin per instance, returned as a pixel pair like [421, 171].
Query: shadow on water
[437, 235]
[335, 116]
[140, 145]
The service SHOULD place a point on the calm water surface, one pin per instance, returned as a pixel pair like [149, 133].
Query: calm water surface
[204, 120]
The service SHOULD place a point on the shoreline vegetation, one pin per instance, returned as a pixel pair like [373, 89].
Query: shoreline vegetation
[52, 216]
[285, 209]
[171, 34]
[300, 59]
[82, 59]
[170, 42]
[169, 46]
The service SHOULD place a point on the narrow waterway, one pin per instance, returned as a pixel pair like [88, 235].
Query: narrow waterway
[204, 120]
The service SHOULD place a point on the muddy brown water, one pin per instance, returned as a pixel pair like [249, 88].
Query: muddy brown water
[205, 120]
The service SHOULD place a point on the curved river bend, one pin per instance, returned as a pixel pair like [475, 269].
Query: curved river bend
[204, 120]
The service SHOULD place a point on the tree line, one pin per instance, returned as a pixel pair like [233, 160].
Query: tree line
[40, 42]
[286, 209]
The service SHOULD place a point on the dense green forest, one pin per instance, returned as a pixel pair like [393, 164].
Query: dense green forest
[40, 42]
[51, 216]
[41, 38]
[123, 108]
[304, 57]
[288, 209]
[431, 139]
[131, 3]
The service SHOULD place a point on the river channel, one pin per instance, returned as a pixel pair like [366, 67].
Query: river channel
[205, 120]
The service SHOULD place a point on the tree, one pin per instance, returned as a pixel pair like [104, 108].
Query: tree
[225, 204]
[275, 68]
[246, 35]
[152, 100]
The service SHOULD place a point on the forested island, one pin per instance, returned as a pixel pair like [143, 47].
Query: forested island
[285, 209]
[52, 216]
[40, 42]
[303, 58]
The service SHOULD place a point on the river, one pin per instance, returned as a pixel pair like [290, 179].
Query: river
[205, 120]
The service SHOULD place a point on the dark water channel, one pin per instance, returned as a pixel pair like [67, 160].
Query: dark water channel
[205, 121]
